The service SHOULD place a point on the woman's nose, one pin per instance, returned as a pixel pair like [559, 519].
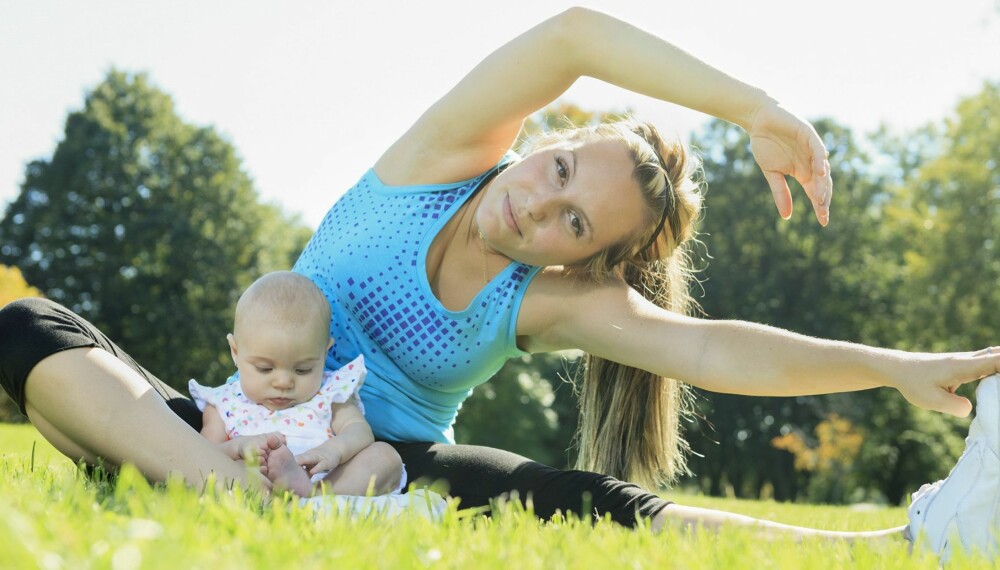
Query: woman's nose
[540, 206]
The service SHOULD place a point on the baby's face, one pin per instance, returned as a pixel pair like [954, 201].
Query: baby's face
[280, 364]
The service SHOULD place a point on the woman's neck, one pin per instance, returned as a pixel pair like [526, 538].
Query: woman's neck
[459, 262]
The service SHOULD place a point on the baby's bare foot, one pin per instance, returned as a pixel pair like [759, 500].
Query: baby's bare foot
[253, 447]
[285, 473]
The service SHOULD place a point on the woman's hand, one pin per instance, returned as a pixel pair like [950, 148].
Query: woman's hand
[785, 145]
[932, 382]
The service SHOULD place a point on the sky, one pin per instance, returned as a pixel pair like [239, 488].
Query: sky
[311, 92]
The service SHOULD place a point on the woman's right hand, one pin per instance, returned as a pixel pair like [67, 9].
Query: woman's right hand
[785, 145]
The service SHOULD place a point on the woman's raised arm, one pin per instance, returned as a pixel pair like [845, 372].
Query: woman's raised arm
[471, 126]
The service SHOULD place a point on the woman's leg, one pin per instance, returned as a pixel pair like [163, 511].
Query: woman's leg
[695, 517]
[91, 405]
[91, 400]
[477, 474]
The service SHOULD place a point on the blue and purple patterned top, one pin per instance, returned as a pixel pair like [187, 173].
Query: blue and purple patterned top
[369, 256]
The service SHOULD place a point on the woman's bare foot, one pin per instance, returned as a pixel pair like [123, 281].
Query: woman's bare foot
[285, 473]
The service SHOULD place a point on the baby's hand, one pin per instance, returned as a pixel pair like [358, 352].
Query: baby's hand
[254, 447]
[320, 459]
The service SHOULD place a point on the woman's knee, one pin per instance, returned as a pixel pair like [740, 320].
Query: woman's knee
[32, 329]
[24, 314]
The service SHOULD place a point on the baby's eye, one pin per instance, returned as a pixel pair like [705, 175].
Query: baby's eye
[303, 371]
[263, 369]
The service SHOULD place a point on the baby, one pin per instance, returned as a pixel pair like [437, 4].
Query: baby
[279, 342]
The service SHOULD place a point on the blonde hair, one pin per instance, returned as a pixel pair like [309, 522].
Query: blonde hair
[630, 418]
[283, 296]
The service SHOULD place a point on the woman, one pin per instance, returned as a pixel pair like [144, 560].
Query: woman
[466, 256]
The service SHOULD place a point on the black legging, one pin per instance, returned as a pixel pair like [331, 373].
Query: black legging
[32, 329]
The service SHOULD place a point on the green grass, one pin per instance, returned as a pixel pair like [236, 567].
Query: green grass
[53, 517]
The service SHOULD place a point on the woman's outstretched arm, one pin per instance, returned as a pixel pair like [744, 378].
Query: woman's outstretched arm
[471, 126]
[617, 323]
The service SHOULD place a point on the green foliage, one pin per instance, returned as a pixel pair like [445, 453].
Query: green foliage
[52, 516]
[147, 226]
[528, 408]
[835, 282]
[905, 263]
[951, 208]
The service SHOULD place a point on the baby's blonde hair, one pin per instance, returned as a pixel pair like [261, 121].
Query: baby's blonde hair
[283, 296]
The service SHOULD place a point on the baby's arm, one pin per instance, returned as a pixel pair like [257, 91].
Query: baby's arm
[351, 434]
[212, 426]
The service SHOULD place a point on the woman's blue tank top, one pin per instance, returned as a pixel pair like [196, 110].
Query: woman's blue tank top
[369, 256]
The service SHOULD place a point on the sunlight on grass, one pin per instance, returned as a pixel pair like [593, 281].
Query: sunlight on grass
[18, 439]
[54, 517]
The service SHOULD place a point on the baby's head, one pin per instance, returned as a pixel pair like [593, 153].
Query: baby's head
[280, 338]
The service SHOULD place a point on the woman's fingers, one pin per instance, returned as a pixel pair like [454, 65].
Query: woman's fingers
[819, 187]
[779, 190]
[954, 405]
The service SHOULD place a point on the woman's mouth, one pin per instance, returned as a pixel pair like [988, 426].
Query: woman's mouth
[508, 214]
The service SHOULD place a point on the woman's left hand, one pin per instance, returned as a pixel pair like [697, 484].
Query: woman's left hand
[785, 145]
[932, 381]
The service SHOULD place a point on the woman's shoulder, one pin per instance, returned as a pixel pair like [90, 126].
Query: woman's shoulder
[557, 298]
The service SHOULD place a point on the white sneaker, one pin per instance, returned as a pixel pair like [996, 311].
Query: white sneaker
[963, 510]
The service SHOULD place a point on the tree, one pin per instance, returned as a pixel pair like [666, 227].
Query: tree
[952, 207]
[529, 408]
[835, 282]
[943, 218]
[149, 227]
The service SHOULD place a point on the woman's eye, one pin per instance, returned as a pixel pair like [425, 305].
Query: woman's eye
[574, 221]
[561, 169]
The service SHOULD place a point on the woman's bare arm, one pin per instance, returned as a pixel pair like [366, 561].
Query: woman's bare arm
[616, 323]
[479, 118]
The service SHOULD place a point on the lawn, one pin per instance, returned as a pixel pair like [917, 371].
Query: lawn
[53, 517]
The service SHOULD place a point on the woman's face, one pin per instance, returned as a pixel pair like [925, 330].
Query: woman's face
[559, 206]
